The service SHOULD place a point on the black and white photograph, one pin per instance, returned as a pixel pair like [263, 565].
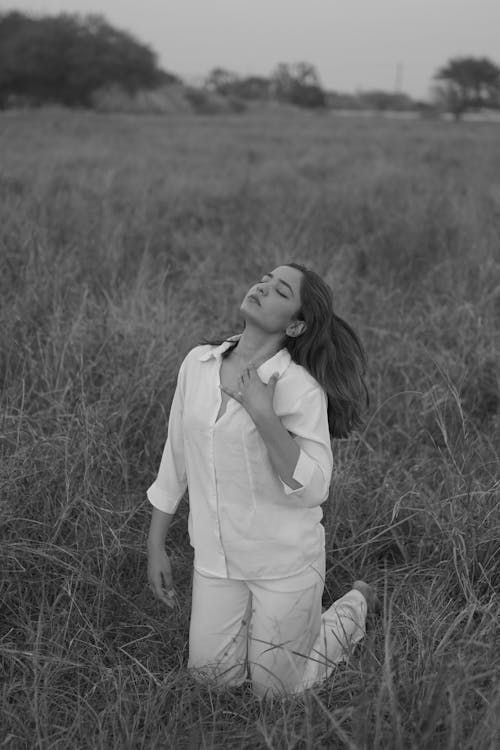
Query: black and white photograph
[250, 375]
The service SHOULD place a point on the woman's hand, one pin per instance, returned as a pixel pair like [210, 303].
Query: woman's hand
[254, 395]
[160, 575]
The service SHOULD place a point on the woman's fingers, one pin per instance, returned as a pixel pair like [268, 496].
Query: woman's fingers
[160, 581]
[168, 598]
[156, 584]
[168, 591]
[158, 590]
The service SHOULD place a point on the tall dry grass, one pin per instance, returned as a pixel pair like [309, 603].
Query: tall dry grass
[123, 241]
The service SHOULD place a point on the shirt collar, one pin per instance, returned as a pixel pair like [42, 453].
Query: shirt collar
[277, 363]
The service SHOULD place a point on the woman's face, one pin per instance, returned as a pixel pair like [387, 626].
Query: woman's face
[274, 302]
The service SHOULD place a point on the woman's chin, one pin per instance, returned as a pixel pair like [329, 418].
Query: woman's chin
[248, 307]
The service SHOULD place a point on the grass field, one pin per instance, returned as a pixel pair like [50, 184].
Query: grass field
[123, 241]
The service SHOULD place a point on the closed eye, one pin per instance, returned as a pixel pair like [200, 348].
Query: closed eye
[280, 293]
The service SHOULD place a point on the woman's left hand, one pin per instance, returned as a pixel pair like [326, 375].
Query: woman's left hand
[254, 395]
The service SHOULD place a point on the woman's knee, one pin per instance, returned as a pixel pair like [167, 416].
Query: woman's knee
[268, 683]
[227, 668]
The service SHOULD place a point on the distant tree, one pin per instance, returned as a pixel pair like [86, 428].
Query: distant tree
[253, 87]
[227, 83]
[221, 81]
[298, 84]
[66, 58]
[469, 83]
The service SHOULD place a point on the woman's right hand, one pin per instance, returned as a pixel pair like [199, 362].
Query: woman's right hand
[160, 575]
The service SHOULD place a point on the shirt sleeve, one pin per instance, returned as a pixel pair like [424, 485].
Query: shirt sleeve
[308, 424]
[171, 482]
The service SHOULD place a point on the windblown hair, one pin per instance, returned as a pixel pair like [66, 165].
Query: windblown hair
[330, 351]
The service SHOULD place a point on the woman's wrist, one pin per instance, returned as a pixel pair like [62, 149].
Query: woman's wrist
[155, 544]
[158, 528]
[261, 416]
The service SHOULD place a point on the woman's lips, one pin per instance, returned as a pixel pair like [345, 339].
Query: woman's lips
[254, 298]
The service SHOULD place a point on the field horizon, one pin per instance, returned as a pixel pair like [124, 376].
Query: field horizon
[124, 241]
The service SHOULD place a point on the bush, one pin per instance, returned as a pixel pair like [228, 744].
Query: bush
[204, 102]
[65, 59]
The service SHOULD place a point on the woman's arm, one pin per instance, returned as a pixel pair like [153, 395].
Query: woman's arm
[257, 398]
[303, 462]
[160, 524]
[282, 449]
[170, 484]
[165, 494]
[159, 568]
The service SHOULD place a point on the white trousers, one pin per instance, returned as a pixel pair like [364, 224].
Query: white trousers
[272, 629]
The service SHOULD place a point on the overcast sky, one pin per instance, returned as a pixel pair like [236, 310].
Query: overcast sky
[354, 44]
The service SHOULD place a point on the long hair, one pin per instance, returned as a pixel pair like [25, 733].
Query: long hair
[330, 351]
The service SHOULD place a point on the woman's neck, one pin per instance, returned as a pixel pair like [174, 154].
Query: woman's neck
[256, 345]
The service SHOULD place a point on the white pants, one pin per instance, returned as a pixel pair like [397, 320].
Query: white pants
[272, 628]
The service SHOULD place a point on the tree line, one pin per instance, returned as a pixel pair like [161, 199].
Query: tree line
[66, 59]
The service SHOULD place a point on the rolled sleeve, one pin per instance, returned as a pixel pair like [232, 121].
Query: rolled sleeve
[308, 423]
[170, 484]
[303, 472]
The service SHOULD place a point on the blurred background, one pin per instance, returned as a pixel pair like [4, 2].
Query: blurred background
[405, 57]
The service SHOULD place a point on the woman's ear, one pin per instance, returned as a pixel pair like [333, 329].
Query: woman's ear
[295, 329]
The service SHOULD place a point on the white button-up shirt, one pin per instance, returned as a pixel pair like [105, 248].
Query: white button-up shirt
[244, 521]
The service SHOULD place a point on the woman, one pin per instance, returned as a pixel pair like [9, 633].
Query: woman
[249, 434]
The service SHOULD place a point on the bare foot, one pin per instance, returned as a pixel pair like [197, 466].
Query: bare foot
[372, 600]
